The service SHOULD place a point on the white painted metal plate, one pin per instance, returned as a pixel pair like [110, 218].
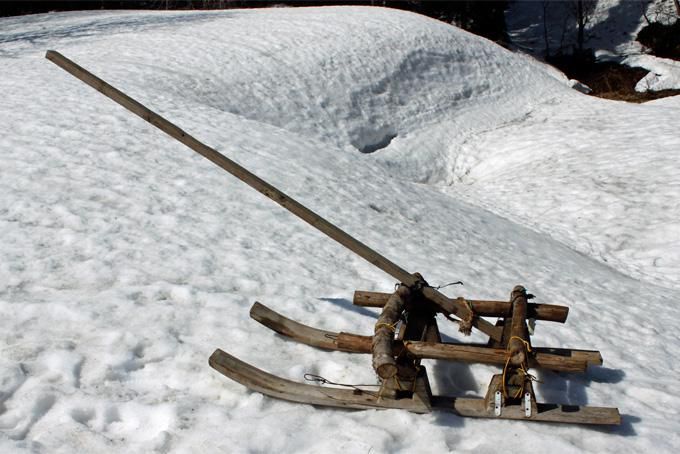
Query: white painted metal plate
[397, 328]
[527, 405]
[497, 403]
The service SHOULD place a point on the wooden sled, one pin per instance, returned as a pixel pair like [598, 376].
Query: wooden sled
[413, 393]
[406, 331]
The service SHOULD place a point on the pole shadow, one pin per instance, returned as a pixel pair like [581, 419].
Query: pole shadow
[347, 305]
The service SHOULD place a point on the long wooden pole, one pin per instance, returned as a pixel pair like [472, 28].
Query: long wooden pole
[264, 188]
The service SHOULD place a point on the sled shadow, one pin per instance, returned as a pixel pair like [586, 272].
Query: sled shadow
[570, 389]
[626, 428]
[451, 378]
[346, 304]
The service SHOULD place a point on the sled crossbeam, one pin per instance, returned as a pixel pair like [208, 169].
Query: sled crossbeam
[483, 308]
[559, 360]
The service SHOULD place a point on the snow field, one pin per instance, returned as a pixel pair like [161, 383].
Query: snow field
[126, 259]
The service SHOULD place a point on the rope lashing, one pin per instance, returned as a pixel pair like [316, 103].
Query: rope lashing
[522, 370]
[390, 326]
[417, 286]
[423, 283]
[447, 285]
[525, 374]
[465, 324]
[527, 345]
[324, 381]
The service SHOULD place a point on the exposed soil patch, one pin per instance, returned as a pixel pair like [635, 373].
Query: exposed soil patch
[608, 79]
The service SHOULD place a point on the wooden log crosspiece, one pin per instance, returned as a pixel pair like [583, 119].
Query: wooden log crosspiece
[561, 360]
[482, 308]
[411, 280]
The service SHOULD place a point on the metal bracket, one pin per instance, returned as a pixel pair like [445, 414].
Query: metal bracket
[497, 403]
[527, 405]
[397, 329]
[531, 326]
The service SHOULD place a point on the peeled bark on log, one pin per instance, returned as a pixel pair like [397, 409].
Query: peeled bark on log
[543, 358]
[384, 362]
[518, 331]
[548, 312]
[487, 355]
[482, 308]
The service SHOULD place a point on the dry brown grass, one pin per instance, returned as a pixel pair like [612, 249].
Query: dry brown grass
[609, 80]
[635, 96]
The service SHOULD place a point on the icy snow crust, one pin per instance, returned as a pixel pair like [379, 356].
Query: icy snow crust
[126, 259]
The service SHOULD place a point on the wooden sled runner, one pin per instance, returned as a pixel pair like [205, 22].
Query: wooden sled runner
[406, 331]
[422, 401]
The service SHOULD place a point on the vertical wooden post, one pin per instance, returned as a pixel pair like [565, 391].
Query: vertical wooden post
[518, 328]
[517, 383]
[384, 363]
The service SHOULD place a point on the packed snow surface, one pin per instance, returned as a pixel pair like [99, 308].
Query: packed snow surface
[126, 258]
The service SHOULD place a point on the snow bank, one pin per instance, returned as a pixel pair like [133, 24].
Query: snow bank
[598, 176]
[126, 259]
[664, 73]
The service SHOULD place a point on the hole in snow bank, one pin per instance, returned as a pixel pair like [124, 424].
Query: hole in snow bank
[369, 140]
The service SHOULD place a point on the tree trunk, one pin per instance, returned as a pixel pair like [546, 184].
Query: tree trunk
[581, 25]
[545, 29]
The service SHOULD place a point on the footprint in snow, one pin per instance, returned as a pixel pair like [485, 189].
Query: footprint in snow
[17, 423]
